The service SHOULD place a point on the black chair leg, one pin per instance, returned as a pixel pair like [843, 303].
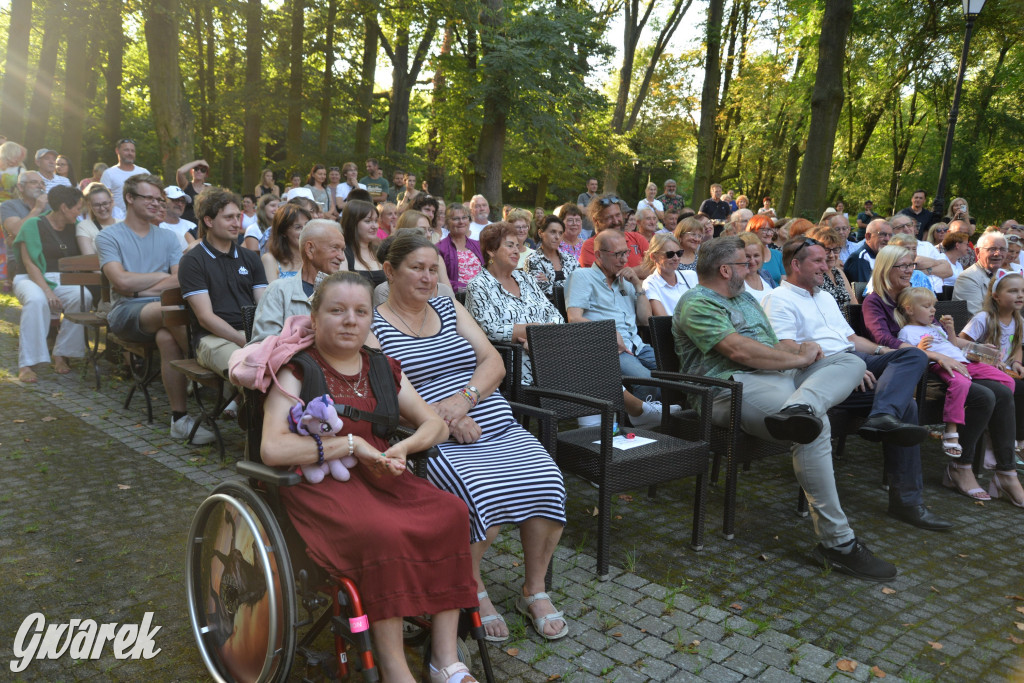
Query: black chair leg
[801, 503]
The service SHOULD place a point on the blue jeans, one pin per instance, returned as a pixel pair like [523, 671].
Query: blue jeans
[898, 374]
[640, 364]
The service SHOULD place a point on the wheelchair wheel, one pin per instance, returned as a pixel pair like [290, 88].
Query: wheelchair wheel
[241, 591]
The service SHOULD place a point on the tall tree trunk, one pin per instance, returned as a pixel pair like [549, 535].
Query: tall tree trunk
[211, 85]
[491, 146]
[789, 179]
[198, 44]
[172, 117]
[826, 106]
[403, 78]
[293, 135]
[327, 90]
[12, 97]
[708, 104]
[76, 65]
[38, 131]
[364, 101]
[251, 165]
[435, 174]
[114, 40]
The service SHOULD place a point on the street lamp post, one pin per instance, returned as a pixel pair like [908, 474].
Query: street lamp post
[972, 8]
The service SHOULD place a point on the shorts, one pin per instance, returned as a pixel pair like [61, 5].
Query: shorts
[123, 319]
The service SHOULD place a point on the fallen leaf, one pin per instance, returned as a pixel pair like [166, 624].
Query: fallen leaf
[876, 672]
[18, 422]
[616, 635]
[512, 651]
[764, 557]
[1014, 597]
[887, 590]
[935, 646]
[962, 555]
[1019, 625]
[594, 513]
[643, 630]
[123, 487]
[936, 590]
[736, 605]
[1020, 608]
[78, 561]
[847, 665]
[554, 677]
[151, 452]
[980, 502]
[1015, 640]
[626, 497]
[515, 563]
[695, 643]
[49, 418]
[618, 517]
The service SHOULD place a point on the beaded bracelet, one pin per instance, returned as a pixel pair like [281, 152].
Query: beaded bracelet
[319, 449]
[464, 393]
[351, 445]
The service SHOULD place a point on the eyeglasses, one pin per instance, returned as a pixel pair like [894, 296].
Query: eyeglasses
[148, 198]
[617, 254]
[904, 266]
[834, 250]
[994, 250]
[201, 169]
[334, 168]
[766, 231]
[124, 140]
[102, 205]
[670, 253]
[737, 263]
[808, 242]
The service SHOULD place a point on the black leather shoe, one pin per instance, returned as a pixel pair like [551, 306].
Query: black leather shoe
[919, 516]
[794, 423]
[887, 428]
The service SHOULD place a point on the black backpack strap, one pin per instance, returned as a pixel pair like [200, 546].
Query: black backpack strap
[384, 419]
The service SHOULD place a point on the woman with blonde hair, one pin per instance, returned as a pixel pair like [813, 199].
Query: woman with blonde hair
[756, 252]
[667, 282]
[649, 202]
[99, 205]
[12, 158]
[520, 220]
[387, 219]
[689, 234]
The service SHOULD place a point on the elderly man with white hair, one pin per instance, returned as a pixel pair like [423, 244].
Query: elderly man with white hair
[479, 213]
[972, 284]
[928, 260]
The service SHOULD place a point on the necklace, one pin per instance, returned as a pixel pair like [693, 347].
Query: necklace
[360, 382]
[57, 236]
[424, 322]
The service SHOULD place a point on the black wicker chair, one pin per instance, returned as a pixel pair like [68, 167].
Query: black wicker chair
[731, 442]
[574, 384]
[957, 309]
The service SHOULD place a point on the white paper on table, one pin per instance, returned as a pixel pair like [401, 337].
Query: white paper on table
[624, 444]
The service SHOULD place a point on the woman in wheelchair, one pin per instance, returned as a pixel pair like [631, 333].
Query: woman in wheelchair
[403, 541]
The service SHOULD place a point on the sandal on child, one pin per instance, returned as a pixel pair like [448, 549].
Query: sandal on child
[976, 493]
[482, 595]
[950, 446]
[523, 603]
[453, 673]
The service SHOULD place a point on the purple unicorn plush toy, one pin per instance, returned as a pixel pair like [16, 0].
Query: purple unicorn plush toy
[319, 417]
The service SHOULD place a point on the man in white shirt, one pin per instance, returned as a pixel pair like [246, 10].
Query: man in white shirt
[929, 261]
[479, 212]
[46, 162]
[799, 312]
[115, 176]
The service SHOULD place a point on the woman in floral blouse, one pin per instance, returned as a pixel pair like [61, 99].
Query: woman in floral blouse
[504, 299]
[548, 265]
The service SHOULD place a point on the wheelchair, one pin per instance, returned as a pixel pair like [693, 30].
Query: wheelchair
[248, 575]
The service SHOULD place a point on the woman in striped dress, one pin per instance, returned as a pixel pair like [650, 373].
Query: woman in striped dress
[498, 468]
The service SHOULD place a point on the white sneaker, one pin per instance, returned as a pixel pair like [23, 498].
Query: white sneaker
[650, 416]
[183, 427]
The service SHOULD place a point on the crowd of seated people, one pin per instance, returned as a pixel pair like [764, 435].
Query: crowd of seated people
[761, 303]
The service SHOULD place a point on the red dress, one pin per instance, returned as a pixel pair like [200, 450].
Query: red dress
[404, 542]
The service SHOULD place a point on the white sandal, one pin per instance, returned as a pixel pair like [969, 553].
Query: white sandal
[952, 448]
[449, 673]
[482, 595]
[523, 605]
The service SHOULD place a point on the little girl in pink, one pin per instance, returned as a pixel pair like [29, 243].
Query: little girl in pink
[915, 311]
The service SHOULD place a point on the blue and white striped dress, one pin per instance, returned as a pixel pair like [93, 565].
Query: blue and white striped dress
[506, 477]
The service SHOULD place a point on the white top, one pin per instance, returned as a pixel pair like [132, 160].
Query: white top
[795, 315]
[114, 179]
[957, 269]
[249, 220]
[179, 229]
[475, 229]
[759, 294]
[253, 231]
[344, 188]
[975, 329]
[940, 340]
[655, 287]
[55, 181]
[654, 206]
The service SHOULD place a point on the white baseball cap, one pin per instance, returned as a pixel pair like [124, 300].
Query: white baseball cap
[299, 192]
[175, 192]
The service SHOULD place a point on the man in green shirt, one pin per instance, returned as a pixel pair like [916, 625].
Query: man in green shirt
[721, 331]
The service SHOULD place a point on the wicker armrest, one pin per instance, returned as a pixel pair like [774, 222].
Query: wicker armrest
[697, 379]
[594, 403]
[705, 393]
[266, 474]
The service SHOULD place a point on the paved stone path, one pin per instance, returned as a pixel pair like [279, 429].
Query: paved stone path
[74, 543]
